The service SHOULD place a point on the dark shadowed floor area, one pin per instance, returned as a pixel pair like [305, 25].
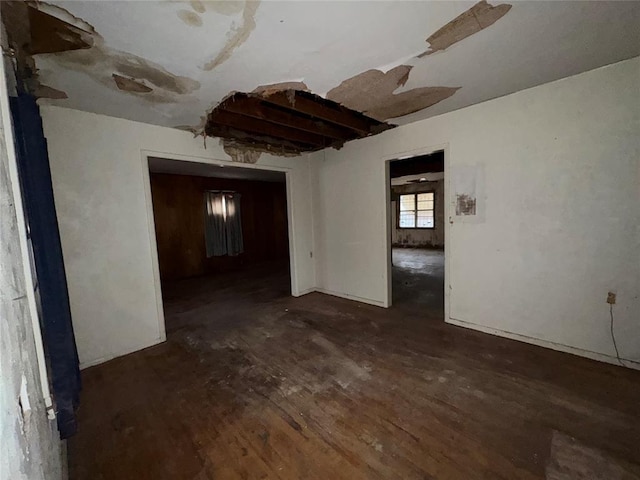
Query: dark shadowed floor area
[418, 279]
[253, 384]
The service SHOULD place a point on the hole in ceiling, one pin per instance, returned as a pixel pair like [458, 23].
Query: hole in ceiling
[288, 122]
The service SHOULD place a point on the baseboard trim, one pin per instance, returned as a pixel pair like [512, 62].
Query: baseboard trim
[601, 357]
[98, 361]
[352, 297]
[304, 292]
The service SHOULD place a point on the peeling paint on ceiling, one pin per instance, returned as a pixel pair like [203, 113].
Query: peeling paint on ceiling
[372, 93]
[44, 91]
[330, 47]
[101, 62]
[478, 17]
[76, 45]
[130, 85]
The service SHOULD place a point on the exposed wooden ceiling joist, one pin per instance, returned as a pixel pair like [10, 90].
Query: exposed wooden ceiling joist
[257, 108]
[292, 121]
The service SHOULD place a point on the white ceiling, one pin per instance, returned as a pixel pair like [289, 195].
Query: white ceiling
[324, 43]
[180, 167]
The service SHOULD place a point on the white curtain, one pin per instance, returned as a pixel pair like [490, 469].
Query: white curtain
[223, 224]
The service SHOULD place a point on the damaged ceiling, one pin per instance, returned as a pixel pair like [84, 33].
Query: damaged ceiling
[287, 121]
[171, 63]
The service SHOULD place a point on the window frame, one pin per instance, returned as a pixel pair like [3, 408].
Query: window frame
[415, 199]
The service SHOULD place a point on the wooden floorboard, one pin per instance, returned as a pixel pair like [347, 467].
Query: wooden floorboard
[253, 384]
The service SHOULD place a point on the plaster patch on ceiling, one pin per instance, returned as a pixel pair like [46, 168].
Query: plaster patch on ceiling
[372, 93]
[45, 91]
[197, 6]
[190, 18]
[237, 35]
[477, 18]
[130, 85]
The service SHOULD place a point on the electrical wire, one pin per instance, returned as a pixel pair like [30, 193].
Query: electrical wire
[613, 337]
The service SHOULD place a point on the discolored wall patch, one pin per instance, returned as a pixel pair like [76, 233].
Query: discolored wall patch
[465, 204]
[237, 35]
[477, 18]
[372, 93]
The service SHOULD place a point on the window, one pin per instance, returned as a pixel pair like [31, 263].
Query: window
[416, 210]
[223, 226]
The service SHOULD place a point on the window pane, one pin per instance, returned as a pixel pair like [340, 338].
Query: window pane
[407, 220]
[407, 202]
[426, 205]
[423, 197]
[425, 220]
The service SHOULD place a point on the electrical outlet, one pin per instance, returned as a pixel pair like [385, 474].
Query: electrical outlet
[611, 298]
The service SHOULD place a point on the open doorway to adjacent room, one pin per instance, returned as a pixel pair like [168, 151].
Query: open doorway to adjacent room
[417, 222]
[222, 239]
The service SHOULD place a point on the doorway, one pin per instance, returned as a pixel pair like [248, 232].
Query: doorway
[417, 224]
[222, 239]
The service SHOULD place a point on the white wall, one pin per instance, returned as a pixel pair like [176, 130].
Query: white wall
[558, 222]
[101, 193]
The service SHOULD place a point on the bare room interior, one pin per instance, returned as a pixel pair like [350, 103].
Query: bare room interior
[416, 221]
[320, 240]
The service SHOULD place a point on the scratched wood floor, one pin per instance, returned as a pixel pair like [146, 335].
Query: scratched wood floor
[254, 384]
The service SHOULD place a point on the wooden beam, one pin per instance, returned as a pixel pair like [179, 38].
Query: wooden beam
[253, 125]
[245, 104]
[325, 110]
[259, 141]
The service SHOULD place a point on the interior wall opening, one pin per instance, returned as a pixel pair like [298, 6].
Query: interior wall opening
[220, 231]
[417, 224]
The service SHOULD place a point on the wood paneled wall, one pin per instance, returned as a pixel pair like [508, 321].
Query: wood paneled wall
[178, 209]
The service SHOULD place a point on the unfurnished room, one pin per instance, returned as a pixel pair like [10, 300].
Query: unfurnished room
[320, 240]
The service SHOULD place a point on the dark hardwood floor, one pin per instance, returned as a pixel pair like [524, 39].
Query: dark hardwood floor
[253, 384]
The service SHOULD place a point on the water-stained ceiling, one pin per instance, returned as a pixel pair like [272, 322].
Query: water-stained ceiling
[170, 62]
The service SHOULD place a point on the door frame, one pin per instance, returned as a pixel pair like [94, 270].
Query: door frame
[145, 154]
[402, 155]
